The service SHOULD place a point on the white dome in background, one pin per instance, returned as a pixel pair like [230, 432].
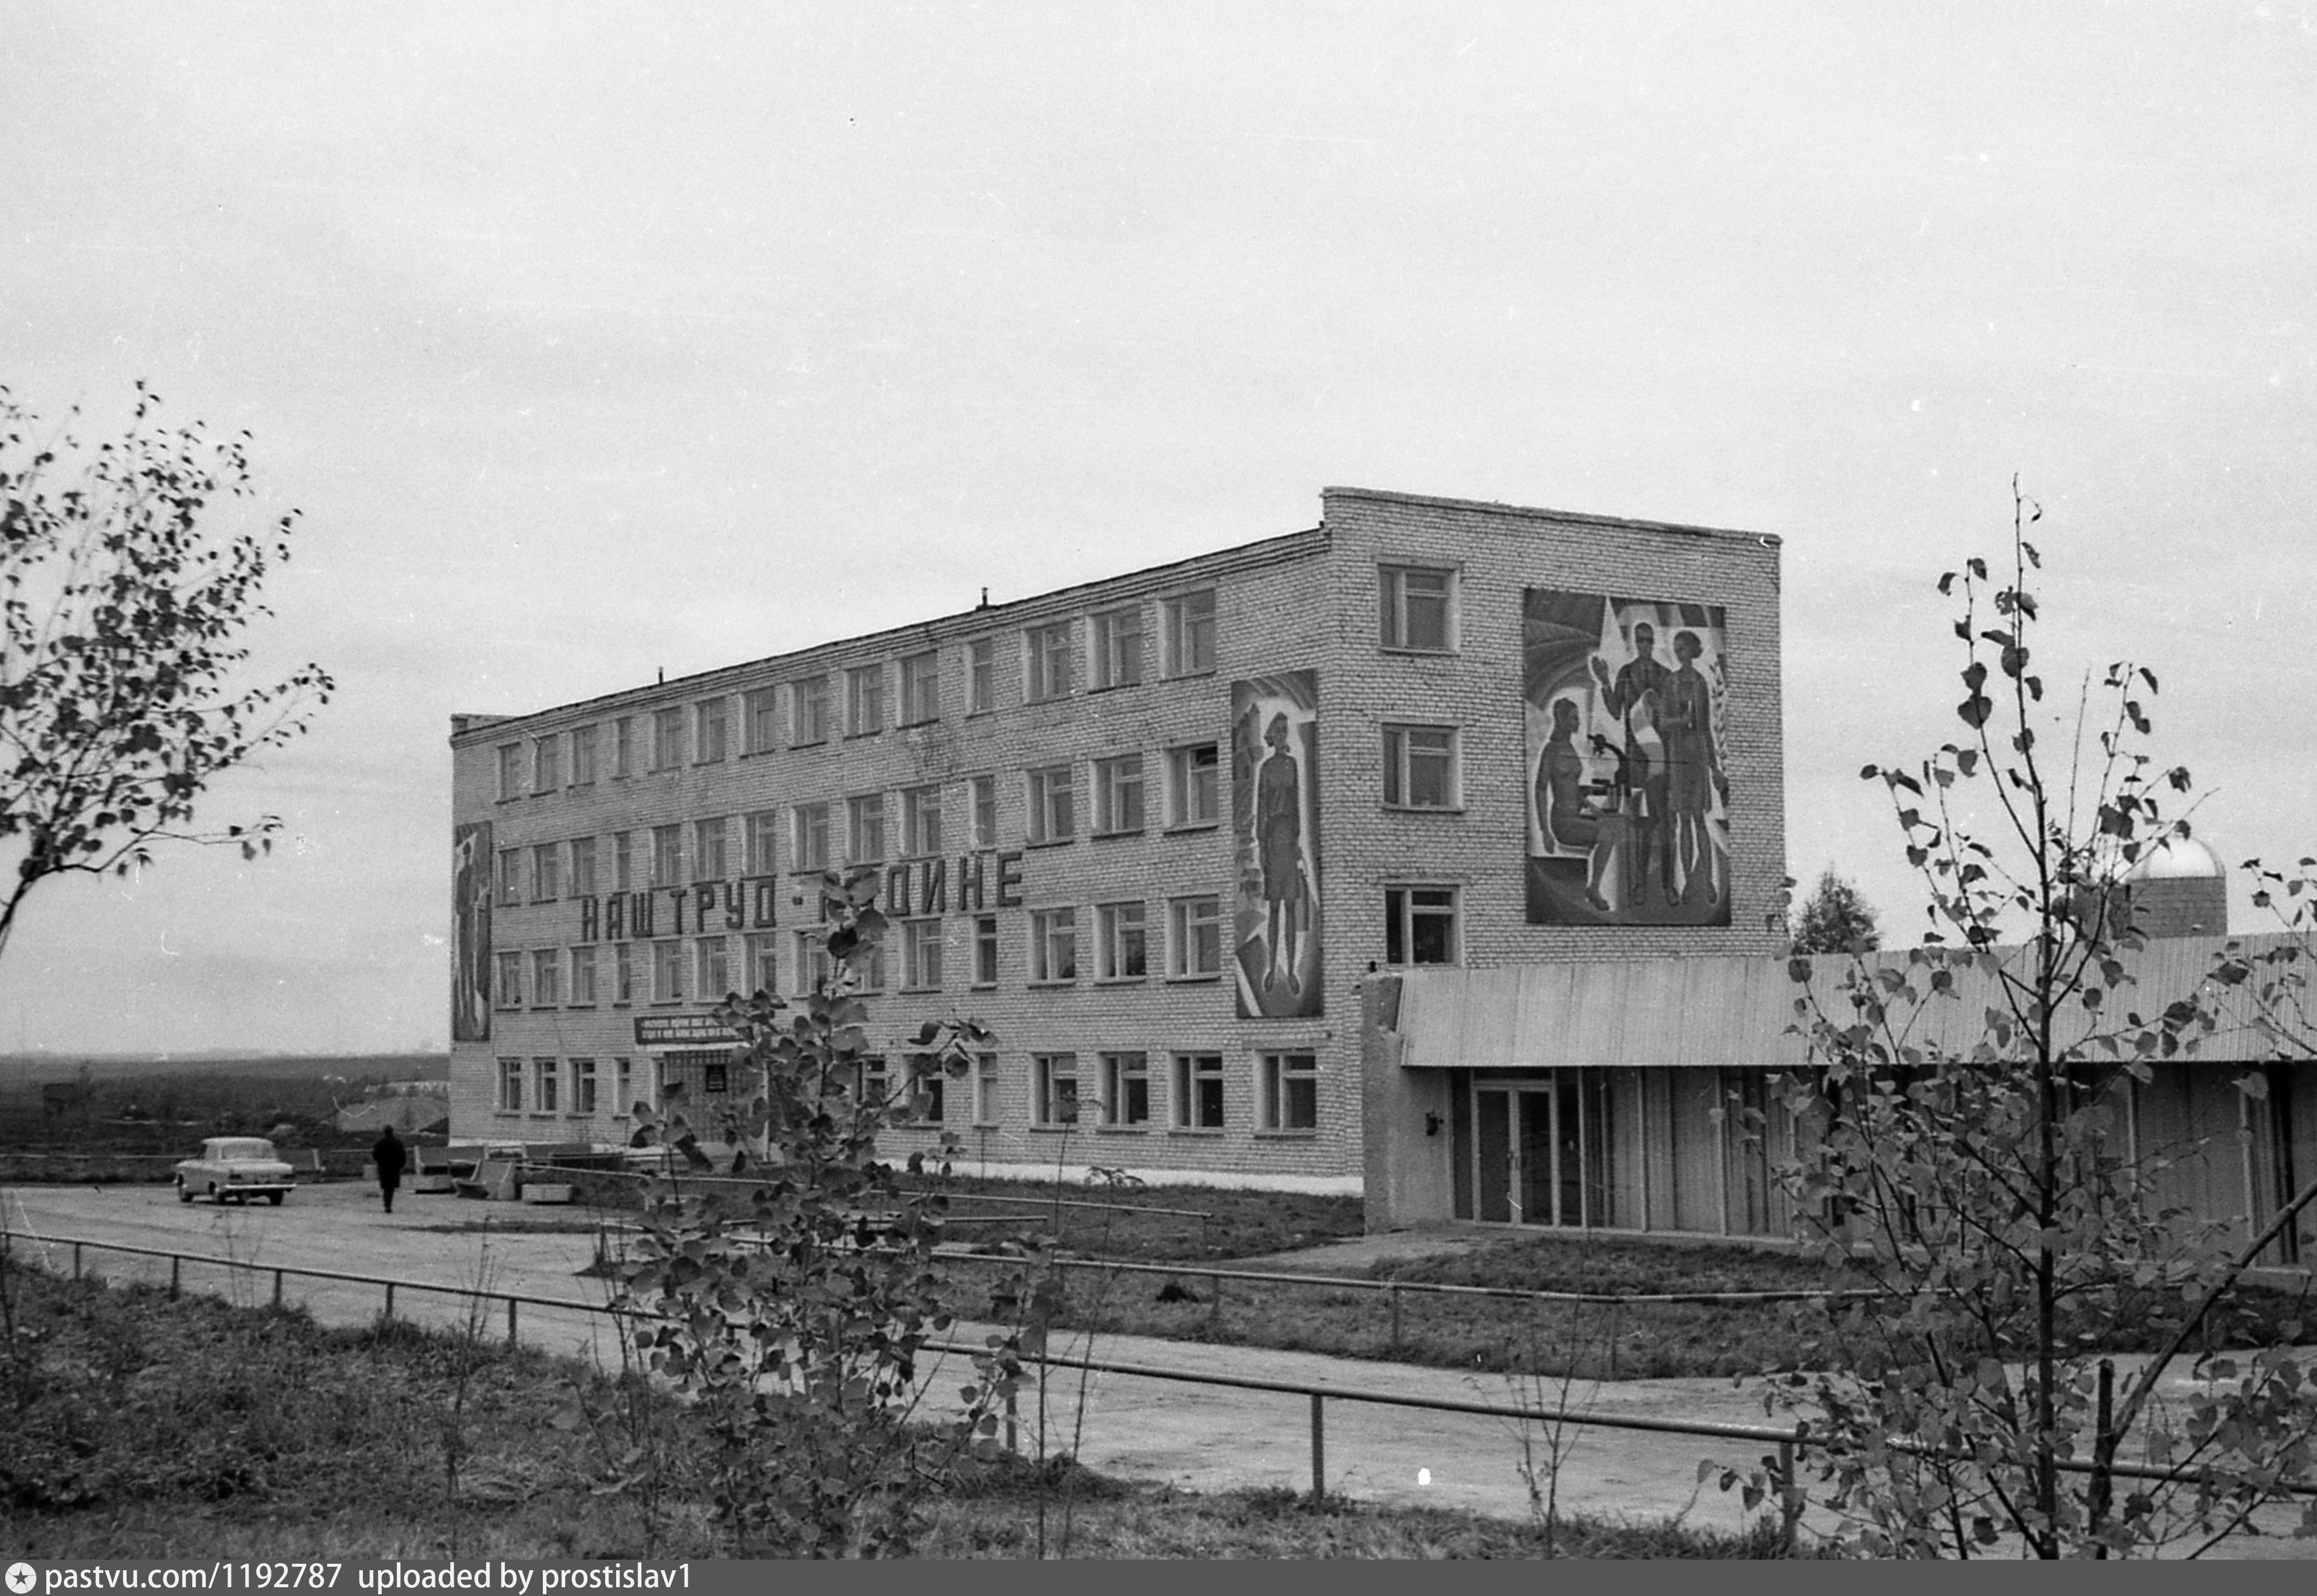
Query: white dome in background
[2176, 858]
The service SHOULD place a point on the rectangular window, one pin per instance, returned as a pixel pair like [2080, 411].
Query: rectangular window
[623, 972]
[814, 968]
[1287, 1091]
[811, 851]
[547, 763]
[623, 861]
[510, 981]
[1192, 797]
[762, 828]
[623, 746]
[864, 700]
[983, 791]
[869, 969]
[623, 1088]
[1120, 955]
[980, 676]
[927, 1085]
[921, 823]
[510, 875]
[1118, 647]
[1419, 768]
[920, 688]
[1191, 634]
[1049, 649]
[985, 1089]
[921, 954]
[546, 873]
[510, 771]
[710, 849]
[1199, 1091]
[985, 950]
[762, 708]
[1054, 945]
[1053, 817]
[809, 712]
[713, 965]
[583, 976]
[1057, 1087]
[864, 828]
[1419, 925]
[764, 973]
[1125, 1088]
[582, 867]
[545, 1078]
[1418, 608]
[1194, 936]
[582, 756]
[667, 738]
[668, 971]
[709, 723]
[1118, 795]
[667, 856]
[583, 1088]
[510, 1086]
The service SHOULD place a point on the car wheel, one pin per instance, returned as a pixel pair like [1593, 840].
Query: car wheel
[185, 1192]
[275, 1198]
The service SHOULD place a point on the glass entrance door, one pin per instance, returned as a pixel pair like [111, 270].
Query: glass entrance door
[1540, 1156]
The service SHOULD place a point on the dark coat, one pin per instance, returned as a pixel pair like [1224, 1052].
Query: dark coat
[391, 1156]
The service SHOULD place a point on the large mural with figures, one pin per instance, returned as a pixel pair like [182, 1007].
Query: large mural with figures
[470, 932]
[1628, 800]
[1276, 819]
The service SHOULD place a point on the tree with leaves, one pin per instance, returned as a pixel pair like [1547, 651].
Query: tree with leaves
[1961, 1141]
[123, 603]
[1836, 917]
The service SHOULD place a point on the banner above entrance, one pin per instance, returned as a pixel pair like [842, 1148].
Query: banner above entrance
[683, 1030]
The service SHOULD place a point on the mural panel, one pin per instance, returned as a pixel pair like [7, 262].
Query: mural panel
[1629, 802]
[1275, 818]
[470, 932]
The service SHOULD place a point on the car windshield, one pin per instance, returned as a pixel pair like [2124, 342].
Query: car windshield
[241, 1150]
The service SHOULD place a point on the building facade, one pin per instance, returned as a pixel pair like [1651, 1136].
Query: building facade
[1155, 832]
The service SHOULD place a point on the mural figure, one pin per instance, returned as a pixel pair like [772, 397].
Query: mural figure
[470, 932]
[1274, 814]
[1629, 802]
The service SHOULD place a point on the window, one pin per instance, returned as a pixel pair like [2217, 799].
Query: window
[711, 855]
[713, 964]
[1419, 768]
[1118, 648]
[709, 721]
[869, 969]
[1052, 818]
[668, 971]
[925, 1085]
[811, 849]
[920, 688]
[1287, 1091]
[510, 1086]
[583, 1088]
[667, 738]
[864, 828]
[1192, 792]
[814, 967]
[983, 791]
[582, 756]
[1054, 945]
[762, 708]
[510, 771]
[623, 861]
[510, 981]
[1190, 633]
[808, 717]
[623, 1088]
[1419, 608]
[667, 856]
[547, 763]
[1049, 661]
[1118, 795]
[760, 830]
[623, 972]
[546, 873]
[623, 746]
[582, 867]
[764, 972]
[872, 1082]
[1056, 1077]
[1125, 1088]
[980, 676]
[545, 1078]
[921, 827]
[583, 975]
[985, 1089]
[1194, 936]
[1119, 955]
[510, 875]
[921, 954]
[1199, 1091]
[864, 700]
[1420, 925]
[985, 950]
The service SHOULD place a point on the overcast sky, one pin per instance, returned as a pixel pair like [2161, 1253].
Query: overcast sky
[593, 341]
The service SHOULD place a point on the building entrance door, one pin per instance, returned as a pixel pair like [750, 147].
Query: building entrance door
[1540, 1156]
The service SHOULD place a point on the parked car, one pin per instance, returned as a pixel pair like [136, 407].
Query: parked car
[235, 1168]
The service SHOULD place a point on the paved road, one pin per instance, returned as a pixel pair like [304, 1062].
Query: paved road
[1200, 1438]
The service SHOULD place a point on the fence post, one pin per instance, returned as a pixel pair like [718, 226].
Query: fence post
[1395, 1316]
[1616, 1331]
[1318, 1451]
[510, 1322]
[173, 1277]
[76, 1261]
[389, 1299]
[1790, 1492]
[1013, 1427]
[277, 1291]
[1214, 1302]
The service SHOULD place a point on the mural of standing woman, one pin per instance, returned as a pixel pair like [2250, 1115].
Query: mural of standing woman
[1274, 824]
[1279, 842]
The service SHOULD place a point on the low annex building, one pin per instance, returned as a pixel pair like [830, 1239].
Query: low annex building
[1157, 833]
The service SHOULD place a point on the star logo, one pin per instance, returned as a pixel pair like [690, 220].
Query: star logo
[21, 1579]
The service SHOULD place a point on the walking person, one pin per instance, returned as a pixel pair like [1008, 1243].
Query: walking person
[391, 1156]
